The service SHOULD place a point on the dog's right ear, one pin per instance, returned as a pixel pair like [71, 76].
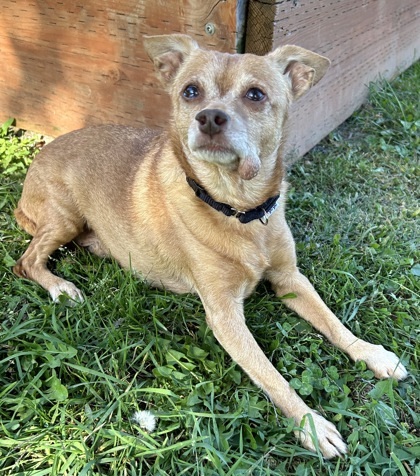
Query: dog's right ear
[168, 52]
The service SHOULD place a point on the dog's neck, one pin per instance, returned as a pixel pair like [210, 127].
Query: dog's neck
[262, 212]
[226, 186]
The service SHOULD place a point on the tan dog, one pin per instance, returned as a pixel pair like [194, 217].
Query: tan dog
[124, 192]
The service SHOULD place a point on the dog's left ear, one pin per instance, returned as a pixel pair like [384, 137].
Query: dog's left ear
[305, 68]
[168, 52]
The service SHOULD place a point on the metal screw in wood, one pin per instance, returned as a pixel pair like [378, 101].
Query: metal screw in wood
[210, 28]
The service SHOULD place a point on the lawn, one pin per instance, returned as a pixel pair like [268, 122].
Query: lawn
[72, 379]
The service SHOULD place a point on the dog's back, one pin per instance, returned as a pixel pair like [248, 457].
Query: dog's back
[86, 172]
[81, 162]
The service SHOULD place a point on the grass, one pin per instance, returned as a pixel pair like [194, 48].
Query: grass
[72, 378]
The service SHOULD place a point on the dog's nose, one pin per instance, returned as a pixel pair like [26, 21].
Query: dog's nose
[211, 121]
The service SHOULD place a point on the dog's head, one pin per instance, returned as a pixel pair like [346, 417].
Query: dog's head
[229, 109]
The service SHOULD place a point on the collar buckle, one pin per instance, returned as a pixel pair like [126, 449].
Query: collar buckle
[237, 213]
[264, 219]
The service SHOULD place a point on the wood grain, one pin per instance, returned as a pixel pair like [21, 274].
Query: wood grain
[365, 40]
[68, 64]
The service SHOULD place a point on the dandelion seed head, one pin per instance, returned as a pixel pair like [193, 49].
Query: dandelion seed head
[145, 419]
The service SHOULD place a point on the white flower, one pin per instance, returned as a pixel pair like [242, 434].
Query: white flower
[145, 419]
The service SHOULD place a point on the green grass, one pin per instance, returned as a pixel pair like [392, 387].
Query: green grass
[71, 378]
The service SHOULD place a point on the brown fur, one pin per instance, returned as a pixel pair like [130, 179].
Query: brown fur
[122, 192]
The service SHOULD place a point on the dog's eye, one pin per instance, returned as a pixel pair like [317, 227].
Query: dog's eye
[255, 94]
[191, 92]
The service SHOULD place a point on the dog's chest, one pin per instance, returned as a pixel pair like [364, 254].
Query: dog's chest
[186, 259]
[228, 258]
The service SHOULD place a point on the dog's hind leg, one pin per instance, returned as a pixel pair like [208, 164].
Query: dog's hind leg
[51, 228]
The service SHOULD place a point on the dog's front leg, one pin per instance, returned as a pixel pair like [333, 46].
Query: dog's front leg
[225, 316]
[308, 304]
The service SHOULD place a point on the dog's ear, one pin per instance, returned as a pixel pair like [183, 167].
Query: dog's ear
[168, 52]
[304, 67]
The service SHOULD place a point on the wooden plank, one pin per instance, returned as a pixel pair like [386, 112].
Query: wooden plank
[365, 39]
[68, 64]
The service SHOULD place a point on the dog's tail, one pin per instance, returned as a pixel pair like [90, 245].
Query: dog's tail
[24, 221]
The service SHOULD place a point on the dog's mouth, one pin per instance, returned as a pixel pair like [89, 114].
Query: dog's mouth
[216, 148]
[233, 157]
[247, 166]
[216, 153]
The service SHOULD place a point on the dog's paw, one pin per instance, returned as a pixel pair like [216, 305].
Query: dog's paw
[326, 437]
[384, 364]
[65, 288]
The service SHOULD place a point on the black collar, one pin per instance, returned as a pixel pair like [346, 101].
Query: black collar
[262, 212]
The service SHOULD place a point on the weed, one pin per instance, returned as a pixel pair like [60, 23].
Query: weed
[16, 152]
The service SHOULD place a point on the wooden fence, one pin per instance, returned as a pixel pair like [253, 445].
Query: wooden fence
[67, 64]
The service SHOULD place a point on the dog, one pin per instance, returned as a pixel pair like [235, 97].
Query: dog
[198, 207]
